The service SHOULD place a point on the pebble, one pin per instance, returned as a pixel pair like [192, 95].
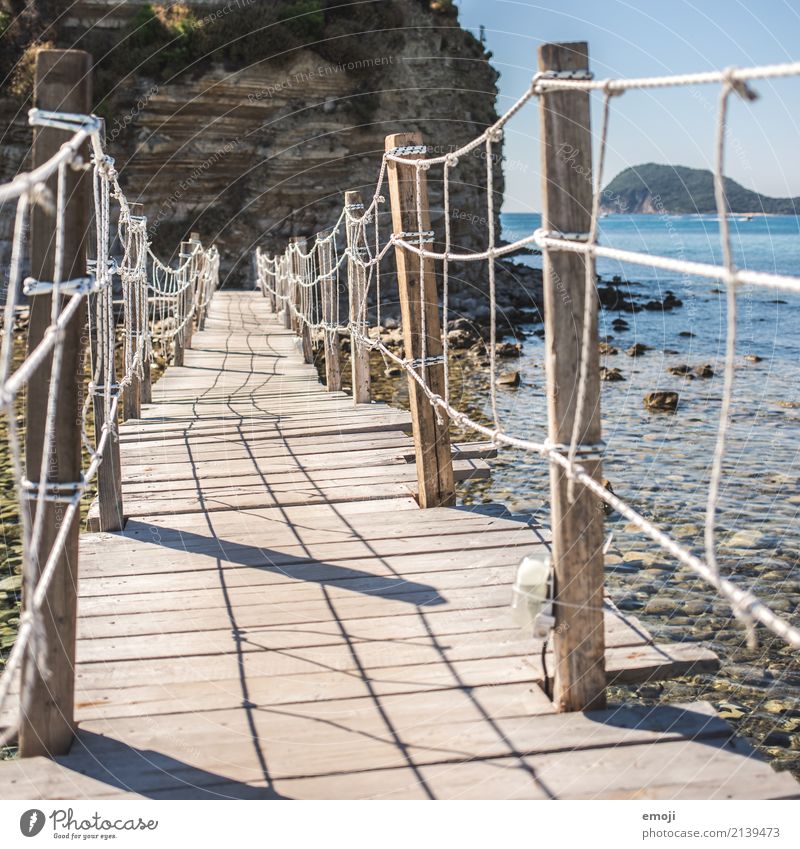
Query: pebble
[661, 401]
[509, 378]
[752, 539]
[611, 375]
[729, 710]
[659, 606]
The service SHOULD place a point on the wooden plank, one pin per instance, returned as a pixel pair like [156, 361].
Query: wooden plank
[62, 82]
[431, 439]
[300, 745]
[286, 488]
[358, 648]
[576, 521]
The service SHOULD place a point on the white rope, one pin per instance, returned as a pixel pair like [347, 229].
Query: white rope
[199, 274]
[275, 277]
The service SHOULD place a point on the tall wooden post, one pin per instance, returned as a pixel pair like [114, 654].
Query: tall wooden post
[62, 82]
[357, 289]
[431, 439]
[577, 526]
[145, 385]
[300, 327]
[109, 474]
[287, 290]
[191, 292]
[333, 370]
[179, 340]
[132, 396]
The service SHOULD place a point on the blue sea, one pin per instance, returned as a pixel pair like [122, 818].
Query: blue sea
[763, 243]
[660, 463]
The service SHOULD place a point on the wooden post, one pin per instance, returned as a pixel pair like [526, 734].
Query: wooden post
[200, 294]
[109, 474]
[577, 526]
[300, 327]
[132, 398]
[191, 292]
[357, 289]
[62, 82]
[333, 371]
[179, 340]
[431, 439]
[287, 289]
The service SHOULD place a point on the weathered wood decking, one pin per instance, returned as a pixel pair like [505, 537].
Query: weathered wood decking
[280, 620]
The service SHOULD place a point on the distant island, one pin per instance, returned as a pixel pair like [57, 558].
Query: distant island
[675, 189]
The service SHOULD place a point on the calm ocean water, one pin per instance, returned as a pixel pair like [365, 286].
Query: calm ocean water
[660, 462]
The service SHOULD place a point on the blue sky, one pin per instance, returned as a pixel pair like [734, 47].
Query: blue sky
[654, 37]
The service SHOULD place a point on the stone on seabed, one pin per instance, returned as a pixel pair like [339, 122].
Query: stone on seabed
[661, 401]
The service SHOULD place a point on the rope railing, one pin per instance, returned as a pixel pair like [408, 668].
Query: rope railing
[280, 277]
[151, 294]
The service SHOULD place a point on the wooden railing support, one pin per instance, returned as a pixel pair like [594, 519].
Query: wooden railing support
[299, 296]
[333, 369]
[62, 82]
[179, 341]
[191, 292]
[579, 643]
[288, 288]
[357, 287]
[431, 439]
[109, 474]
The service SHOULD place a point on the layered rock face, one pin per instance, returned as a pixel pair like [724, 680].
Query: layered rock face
[252, 155]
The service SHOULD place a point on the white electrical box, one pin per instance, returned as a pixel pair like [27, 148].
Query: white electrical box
[532, 595]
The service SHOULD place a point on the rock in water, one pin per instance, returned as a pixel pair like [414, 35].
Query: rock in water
[508, 350]
[509, 378]
[704, 371]
[637, 350]
[661, 402]
[752, 358]
[461, 338]
[607, 508]
[612, 375]
[682, 370]
[604, 349]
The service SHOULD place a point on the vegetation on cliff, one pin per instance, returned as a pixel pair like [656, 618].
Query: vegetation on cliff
[162, 41]
[679, 190]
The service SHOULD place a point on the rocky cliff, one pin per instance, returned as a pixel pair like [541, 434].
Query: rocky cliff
[250, 146]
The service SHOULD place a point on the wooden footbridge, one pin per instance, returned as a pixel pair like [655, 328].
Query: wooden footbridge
[279, 618]
[277, 595]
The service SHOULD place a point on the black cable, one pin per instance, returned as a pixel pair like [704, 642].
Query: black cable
[547, 691]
